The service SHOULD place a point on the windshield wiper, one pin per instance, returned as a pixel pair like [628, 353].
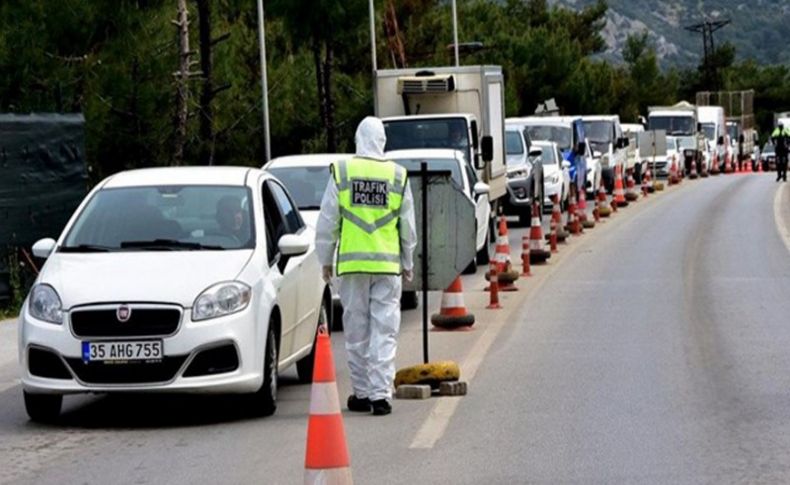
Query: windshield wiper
[85, 248]
[310, 208]
[166, 245]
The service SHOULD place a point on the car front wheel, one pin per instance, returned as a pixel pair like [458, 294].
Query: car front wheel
[305, 365]
[265, 399]
[43, 408]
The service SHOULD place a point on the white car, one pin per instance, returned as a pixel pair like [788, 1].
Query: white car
[556, 175]
[306, 177]
[190, 279]
[660, 166]
[466, 177]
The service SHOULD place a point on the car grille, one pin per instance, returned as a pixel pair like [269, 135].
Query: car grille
[126, 373]
[143, 321]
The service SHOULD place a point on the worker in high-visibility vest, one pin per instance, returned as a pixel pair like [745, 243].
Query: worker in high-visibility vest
[781, 139]
[367, 221]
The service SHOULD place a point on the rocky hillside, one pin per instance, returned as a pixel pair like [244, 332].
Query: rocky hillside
[760, 29]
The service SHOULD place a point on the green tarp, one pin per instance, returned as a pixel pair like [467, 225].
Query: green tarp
[43, 178]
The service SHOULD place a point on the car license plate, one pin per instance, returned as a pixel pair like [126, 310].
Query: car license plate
[122, 351]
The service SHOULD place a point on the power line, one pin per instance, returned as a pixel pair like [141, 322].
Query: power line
[707, 28]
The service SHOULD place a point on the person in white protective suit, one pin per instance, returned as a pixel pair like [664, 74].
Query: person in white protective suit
[367, 223]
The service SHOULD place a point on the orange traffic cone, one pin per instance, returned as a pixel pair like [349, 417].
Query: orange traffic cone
[673, 173]
[525, 268]
[759, 166]
[502, 257]
[727, 163]
[748, 165]
[326, 458]
[693, 174]
[493, 287]
[502, 249]
[714, 168]
[619, 196]
[453, 312]
[573, 222]
[737, 167]
[537, 246]
[648, 181]
[604, 209]
[631, 195]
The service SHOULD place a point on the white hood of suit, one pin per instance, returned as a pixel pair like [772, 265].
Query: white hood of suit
[370, 138]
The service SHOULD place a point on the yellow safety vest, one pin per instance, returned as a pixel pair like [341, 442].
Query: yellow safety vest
[370, 193]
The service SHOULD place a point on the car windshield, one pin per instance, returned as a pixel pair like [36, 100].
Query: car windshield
[561, 135]
[428, 133]
[164, 218]
[734, 132]
[305, 184]
[673, 125]
[514, 142]
[672, 144]
[451, 164]
[546, 157]
[599, 132]
[710, 131]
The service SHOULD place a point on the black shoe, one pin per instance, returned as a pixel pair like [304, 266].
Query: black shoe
[381, 407]
[358, 405]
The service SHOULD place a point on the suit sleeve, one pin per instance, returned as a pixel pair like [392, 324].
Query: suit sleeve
[408, 230]
[327, 230]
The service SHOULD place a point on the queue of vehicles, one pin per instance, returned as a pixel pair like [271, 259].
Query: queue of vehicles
[210, 282]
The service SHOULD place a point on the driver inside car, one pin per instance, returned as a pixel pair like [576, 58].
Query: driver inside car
[230, 218]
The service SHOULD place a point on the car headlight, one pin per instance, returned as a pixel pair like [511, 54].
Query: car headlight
[521, 173]
[44, 304]
[220, 300]
[555, 179]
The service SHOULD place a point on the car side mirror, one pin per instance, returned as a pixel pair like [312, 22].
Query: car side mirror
[566, 164]
[741, 138]
[535, 152]
[475, 141]
[293, 245]
[597, 154]
[481, 188]
[44, 247]
[581, 148]
[720, 141]
[487, 148]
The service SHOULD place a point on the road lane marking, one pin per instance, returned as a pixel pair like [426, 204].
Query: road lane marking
[437, 421]
[781, 225]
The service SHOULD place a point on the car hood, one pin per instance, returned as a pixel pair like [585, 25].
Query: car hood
[549, 170]
[140, 276]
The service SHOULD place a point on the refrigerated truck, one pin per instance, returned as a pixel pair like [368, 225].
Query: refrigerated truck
[448, 107]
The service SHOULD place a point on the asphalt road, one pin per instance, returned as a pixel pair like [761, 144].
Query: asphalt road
[654, 349]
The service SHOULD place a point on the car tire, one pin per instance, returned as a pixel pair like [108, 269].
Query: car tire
[472, 268]
[305, 365]
[43, 408]
[483, 256]
[265, 399]
[409, 300]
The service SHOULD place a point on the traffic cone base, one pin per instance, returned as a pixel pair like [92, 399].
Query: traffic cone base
[453, 313]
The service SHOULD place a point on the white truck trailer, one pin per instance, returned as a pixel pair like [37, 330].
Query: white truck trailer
[448, 107]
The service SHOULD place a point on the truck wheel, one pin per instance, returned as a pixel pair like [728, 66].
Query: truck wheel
[43, 408]
[304, 366]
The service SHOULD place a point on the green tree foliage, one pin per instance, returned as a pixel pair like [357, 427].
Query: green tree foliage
[114, 61]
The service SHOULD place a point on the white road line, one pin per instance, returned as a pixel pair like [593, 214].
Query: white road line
[781, 226]
[436, 423]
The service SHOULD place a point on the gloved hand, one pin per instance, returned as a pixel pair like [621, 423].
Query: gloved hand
[327, 273]
[408, 275]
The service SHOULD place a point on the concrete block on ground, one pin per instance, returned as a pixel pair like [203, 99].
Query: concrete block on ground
[454, 388]
[413, 391]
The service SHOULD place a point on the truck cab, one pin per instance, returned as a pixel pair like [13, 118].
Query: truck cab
[608, 145]
[458, 108]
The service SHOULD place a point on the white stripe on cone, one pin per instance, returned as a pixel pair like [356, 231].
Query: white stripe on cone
[328, 476]
[536, 245]
[453, 300]
[324, 398]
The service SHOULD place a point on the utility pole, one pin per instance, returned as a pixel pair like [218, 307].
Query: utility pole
[267, 154]
[707, 28]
